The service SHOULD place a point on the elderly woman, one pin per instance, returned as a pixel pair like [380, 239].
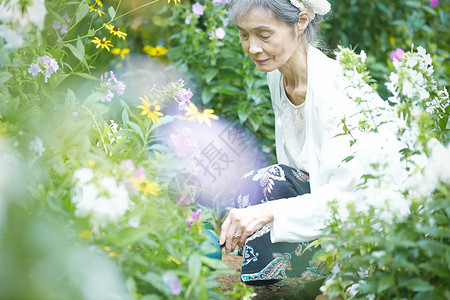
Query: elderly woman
[279, 209]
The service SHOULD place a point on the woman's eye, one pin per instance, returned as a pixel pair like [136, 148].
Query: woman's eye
[265, 37]
[243, 36]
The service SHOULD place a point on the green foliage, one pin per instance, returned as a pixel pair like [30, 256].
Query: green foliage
[376, 251]
[224, 76]
[59, 125]
[379, 27]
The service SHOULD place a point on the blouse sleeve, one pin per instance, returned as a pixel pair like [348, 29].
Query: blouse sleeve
[302, 218]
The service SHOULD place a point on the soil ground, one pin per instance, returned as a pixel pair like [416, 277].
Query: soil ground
[291, 288]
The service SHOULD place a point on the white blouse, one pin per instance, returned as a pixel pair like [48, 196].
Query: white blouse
[305, 137]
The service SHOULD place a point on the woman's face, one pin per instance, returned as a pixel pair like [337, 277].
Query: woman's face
[269, 42]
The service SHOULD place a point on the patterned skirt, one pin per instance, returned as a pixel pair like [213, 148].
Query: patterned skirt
[264, 262]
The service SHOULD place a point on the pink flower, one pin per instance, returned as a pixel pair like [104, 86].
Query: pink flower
[173, 282]
[396, 54]
[127, 164]
[198, 9]
[434, 3]
[194, 217]
[181, 199]
[140, 173]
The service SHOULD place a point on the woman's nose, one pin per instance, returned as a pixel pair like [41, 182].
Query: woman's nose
[254, 47]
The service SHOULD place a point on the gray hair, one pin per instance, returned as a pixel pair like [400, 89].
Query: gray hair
[283, 10]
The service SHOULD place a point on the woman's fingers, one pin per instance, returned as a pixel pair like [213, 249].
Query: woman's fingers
[241, 223]
[224, 230]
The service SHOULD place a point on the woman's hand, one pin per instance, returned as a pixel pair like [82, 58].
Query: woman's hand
[243, 222]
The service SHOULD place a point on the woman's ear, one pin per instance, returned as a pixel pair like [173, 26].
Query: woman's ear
[303, 22]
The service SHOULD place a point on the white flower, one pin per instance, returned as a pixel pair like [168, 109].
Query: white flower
[83, 176]
[363, 56]
[438, 166]
[103, 200]
[12, 38]
[37, 147]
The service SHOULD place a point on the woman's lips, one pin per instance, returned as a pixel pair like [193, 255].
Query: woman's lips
[261, 61]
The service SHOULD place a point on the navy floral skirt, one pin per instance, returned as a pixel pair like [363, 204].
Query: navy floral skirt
[264, 262]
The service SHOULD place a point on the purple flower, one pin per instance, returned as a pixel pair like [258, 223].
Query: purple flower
[120, 88]
[66, 18]
[198, 9]
[187, 21]
[108, 97]
[45, 65]
[185, 97]
[434, 3]
[34, 69]
[225, 21]
[220, 33]
[56, 25]
[194, 217]
[396, 54]
[219, 2]
[173, 282]
[64, 29]
[110, 84]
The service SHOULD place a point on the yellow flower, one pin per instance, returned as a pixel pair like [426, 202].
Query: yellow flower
[102, 43]
[107, 248]
[99, 3]
[121, 52]
[174, 1]
[155, 51]
[150, 109]
[113, 254]
[192, 113]
[91, 163]
[85, 234]
[115, 30]
[173, 259]
[100, 12]
[144, 185]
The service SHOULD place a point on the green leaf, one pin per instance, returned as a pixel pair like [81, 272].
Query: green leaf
[57, 78]
[111, 12]
[156, 281]
[86, 76]
[385, 283]
[4, 76]
[78, 52]
[135, 127]
[194, 265]
[418, 285]
[207, 94]
[125, 117]
[129, 236]
[210, 74]
[94, 97]
[71, 98]
[82, 11]
[90, 33]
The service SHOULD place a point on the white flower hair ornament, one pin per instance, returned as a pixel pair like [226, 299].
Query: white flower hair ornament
[313, 7]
